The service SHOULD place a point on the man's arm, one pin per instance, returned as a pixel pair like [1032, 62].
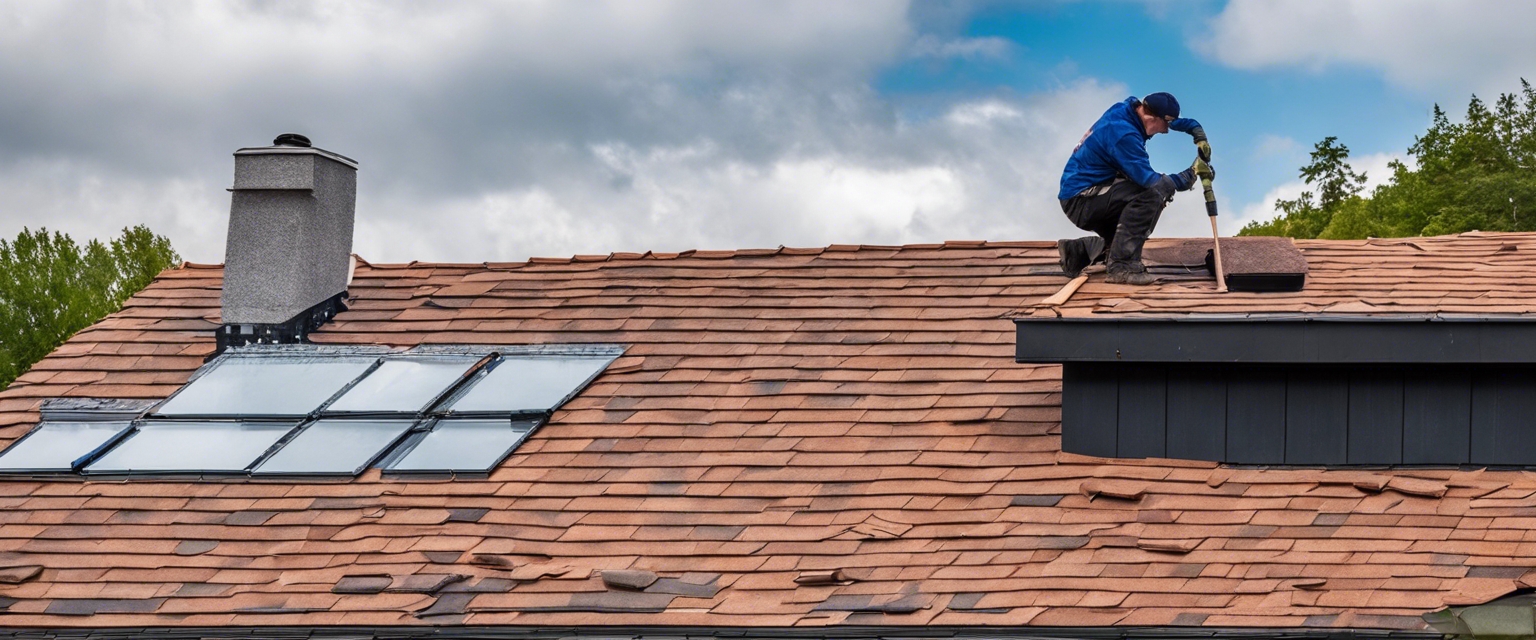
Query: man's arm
[1132, 160]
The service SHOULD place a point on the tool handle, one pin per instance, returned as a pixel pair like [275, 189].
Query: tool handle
[1221, 278]
[1210, 197]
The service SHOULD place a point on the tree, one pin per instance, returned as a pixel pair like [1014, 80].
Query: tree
[1309, 215]
[52, 287]
[1472, 175]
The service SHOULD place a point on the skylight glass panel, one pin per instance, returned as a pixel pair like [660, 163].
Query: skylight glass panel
[529, 384]
[459, 444]
[58, 446]
[403, 385]
[335, 446]
[265, 386]
[191, 446]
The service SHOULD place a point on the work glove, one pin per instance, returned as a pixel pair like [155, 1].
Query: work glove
[1185, 180]
[1203, 169]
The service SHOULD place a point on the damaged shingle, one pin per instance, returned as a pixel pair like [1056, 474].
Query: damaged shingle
[603, 602]
[628, 579]
[195, 547]
[485, 585]
[1168, 546]
[877, 604]
[448, 604]
[531, 572]
[677, 587]
[834, 576]
[249, 518]
[362, 584]
[199, 589]
[1117, 489]
[442, 557]
[466, 515]
[18, 575]
[424, 582]
[93, 606]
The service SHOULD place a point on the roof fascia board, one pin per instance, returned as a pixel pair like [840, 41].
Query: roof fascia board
[736, 633]
[1278, 341]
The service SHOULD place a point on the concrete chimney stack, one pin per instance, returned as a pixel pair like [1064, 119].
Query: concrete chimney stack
[288, 255]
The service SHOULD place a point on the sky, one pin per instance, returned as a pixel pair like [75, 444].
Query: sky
[496, 131]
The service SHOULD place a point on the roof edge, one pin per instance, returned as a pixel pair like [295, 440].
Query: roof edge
[411, 632]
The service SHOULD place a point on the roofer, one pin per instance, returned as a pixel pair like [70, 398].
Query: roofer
[1109, 187]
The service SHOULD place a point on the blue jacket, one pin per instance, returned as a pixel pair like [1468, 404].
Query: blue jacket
[1115, 145]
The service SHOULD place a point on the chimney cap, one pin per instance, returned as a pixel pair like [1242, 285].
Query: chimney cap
[291, 140]
[293, 143]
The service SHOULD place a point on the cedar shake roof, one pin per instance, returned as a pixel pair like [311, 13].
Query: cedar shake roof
[794, 437]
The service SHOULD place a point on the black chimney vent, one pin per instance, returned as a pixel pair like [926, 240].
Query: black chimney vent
[291, 140]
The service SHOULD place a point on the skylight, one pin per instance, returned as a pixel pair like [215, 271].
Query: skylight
[530, 384]
[199, 446]
[60, 446]
[460, 444]
[320, 410]
[335, 446]
[251, 385]
[404, 385]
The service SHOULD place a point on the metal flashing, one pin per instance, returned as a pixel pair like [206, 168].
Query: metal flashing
[293, 331]
[1290, 339]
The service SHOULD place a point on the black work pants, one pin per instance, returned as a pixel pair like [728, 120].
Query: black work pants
[1123, 215]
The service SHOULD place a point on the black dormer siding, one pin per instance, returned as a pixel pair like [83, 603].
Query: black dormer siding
[1296, 392]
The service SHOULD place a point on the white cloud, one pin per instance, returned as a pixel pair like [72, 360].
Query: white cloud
[498, 131]
[988, 48]
[985, 170]
[1472, 46]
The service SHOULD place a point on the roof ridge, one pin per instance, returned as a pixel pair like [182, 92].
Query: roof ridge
[712, 254]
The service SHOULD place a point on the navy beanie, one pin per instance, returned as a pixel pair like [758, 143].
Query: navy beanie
[1162, 104]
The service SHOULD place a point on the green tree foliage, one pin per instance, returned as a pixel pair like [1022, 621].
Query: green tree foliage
[51, 287]
[1473, 175]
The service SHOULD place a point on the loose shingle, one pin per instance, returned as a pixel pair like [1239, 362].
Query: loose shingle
[18, 575]
[195, 547]
[628, 579]
[362, 584]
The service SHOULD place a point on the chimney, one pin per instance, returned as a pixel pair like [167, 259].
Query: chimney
[288, 256]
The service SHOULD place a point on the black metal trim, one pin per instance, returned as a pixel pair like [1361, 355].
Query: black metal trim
[849, 632]
[1291, 339]
[295, 330]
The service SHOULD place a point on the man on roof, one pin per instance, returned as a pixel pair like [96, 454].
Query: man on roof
[1109, 187]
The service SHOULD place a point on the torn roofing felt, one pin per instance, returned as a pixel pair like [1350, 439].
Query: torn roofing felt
[828, 436]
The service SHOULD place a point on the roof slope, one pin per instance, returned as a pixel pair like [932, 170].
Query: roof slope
[1472, 273]
[779, 414]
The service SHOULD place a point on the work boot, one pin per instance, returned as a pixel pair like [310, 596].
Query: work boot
[1073, 257]
[1077, 254]
[1122, 273]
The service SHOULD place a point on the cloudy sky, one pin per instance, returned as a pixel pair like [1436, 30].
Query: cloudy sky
[498, 131]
